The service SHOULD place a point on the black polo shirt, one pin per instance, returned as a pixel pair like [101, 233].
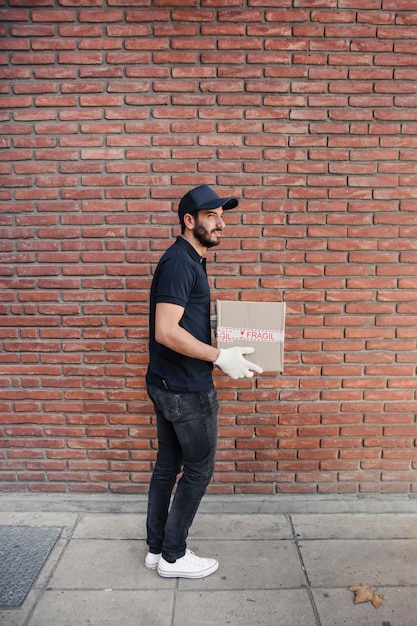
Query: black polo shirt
[180, 278]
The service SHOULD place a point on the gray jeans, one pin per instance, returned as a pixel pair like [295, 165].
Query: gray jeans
[187, 426]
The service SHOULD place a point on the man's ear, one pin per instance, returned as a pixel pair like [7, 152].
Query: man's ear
[189, 220]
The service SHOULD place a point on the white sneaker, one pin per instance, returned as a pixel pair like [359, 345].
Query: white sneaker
[188, 566]
[152, 560]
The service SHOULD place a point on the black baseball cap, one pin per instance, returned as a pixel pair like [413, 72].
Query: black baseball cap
[204, 198]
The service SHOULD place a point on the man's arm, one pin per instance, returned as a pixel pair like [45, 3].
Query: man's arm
[169, 333]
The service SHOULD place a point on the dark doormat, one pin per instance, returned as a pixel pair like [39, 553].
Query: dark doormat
[23, 552]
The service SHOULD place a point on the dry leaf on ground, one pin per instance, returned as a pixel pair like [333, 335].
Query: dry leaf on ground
[364, 593]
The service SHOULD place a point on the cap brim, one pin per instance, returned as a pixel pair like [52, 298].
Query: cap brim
[215, 203]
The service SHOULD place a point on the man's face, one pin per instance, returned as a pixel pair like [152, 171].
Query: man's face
[208, 227]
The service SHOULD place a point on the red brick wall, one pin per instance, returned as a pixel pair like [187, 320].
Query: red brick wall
[110, 111]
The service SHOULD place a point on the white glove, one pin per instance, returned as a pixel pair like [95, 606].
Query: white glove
[231, 361]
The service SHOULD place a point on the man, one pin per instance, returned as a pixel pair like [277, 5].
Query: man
[180, 384]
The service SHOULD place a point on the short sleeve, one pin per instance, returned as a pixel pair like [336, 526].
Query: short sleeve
[175, 282]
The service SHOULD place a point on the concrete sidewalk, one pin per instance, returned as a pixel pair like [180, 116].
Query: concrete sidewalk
[284, 561]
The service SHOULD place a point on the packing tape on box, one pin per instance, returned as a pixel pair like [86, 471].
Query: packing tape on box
[228, 333]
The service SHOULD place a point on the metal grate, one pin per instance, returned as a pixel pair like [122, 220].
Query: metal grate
[23, 552]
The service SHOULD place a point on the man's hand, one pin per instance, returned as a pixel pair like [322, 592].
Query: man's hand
[231, 361]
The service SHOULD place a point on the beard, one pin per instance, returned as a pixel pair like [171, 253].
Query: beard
[204, 236]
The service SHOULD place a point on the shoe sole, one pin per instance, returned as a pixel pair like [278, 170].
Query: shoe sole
[151, 567]
[200, 574]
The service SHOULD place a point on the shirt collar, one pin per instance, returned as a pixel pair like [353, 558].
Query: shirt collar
[181, 241]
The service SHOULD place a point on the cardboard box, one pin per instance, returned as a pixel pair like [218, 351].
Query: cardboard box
[259, 325]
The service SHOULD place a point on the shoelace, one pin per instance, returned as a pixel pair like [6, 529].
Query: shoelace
[191, 556]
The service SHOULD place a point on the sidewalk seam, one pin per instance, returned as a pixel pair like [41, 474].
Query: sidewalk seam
[304, 570]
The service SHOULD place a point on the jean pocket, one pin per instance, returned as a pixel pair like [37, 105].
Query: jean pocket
[166, 402]
[213, 403]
